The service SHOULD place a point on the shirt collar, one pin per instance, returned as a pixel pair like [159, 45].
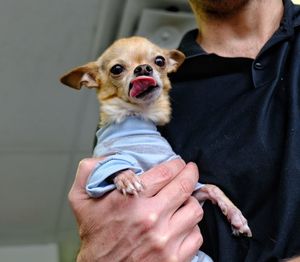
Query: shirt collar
[189, 46]
[290, 20]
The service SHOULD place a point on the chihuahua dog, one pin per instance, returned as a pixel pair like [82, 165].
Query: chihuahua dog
[131, 78]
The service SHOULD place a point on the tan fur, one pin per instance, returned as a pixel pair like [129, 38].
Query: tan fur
[112, 90]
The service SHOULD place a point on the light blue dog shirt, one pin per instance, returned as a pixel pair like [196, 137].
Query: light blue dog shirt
[133, 144]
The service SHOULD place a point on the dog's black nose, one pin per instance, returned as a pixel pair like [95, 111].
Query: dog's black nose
[143, 70]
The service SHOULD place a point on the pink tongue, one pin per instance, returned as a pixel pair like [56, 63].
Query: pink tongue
[141, 84]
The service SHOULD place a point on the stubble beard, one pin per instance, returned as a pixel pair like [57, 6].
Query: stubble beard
[219, 8]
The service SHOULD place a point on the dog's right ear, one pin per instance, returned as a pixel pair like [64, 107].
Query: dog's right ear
[86, 75]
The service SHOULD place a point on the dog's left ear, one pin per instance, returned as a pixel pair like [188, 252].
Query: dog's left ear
[86, 75]
[175, 59]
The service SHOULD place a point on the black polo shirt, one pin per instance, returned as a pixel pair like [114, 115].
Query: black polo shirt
[239, 120]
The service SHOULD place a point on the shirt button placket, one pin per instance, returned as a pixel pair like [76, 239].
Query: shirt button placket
[258, 66]
[257, 72]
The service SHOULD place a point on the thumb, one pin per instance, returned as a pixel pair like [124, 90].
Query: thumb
[84, 169]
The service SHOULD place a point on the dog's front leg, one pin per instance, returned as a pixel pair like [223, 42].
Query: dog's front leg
[213, 193]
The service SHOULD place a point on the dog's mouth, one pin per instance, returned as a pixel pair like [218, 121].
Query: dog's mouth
[141, 86]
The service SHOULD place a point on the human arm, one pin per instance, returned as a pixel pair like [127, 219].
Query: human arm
[159, 225]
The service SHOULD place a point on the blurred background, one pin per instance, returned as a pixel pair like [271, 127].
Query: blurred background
[47, 128]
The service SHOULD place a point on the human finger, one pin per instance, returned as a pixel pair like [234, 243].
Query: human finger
[159, 176]
[174, 194]
[84, 169]
[187, 216]
[190, 245]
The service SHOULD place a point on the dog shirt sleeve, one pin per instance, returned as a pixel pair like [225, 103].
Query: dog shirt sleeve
[201, 257]
[98, 183]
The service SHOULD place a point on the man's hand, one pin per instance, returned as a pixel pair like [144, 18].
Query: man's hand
[158, 225]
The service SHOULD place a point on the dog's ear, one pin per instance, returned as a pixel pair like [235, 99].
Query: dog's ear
[86, 75]
[175, 59]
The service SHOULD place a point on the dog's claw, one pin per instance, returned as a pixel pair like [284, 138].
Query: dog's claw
[128, 183]
[238, 222]
[138, 185]
[246, 231]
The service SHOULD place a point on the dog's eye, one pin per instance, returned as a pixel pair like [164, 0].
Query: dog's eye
[117, 69]
[160, 61]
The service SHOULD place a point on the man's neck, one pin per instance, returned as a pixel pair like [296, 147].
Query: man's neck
[242, 34]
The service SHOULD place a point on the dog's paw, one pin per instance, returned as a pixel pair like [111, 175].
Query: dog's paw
[128, 182]
[239, 223]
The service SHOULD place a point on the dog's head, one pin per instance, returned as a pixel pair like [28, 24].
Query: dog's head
[132, 69]
[131, 78]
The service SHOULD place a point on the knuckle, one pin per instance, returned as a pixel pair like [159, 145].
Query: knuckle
[186, 187]
[75, 206]
[158, 242]
[193, 165]
[164, 172]
[193, 168]
[71, 197]
[73, 200]
[197, 209]
[147, 222]
[85, 164]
